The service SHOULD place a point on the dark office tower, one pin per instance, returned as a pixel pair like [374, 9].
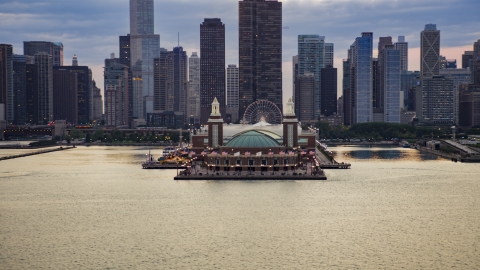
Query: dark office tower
[6, 82]
[305, 91]
[124, 50]
[466, 57]
[19, 89]
[430, 51]
[30, 85]
[260, 52]
[162, 72]
[74, 60]
[347, 95]
[375, 83]
[43, 94]
[97, 102]
[55, 49]
[116, 94]
[85, 93]
[212, 67]
[65, 95]
[329, 90]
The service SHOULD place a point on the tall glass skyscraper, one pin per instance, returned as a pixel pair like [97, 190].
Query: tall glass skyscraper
[430, 51]
[391, 66]
[311, 59]
[144, 47]
[362, 58]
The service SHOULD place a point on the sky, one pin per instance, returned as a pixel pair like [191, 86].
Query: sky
[90, 28]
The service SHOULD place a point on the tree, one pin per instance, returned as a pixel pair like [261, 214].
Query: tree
[88, 137]
[76, 134]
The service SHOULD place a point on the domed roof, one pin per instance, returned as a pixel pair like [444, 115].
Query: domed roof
[252, 138]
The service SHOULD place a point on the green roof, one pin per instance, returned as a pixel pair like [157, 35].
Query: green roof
[252, 138]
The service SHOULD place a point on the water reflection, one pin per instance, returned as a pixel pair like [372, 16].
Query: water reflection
[379, 153]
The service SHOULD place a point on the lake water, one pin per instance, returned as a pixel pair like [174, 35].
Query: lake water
[95, 208]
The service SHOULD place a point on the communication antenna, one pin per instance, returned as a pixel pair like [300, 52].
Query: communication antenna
[178, 38]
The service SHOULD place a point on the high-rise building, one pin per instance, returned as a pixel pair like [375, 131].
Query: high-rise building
[180, 81]
[144, 47]
[392, 67]
[294, 77]
[362, 65]
[260, 52]
[467, 56]
[193, 104]
[311, 59]
[305, 91]
[329, 90]
[212, 66]
[430, 51]
[6, 82]
[84, 91]
[97, 102]
[43, 93]
[65, 95]
[163, 72]
[232, 93]
[329, 54]
[116, 94]
[31, 88]
[347, 91]
[437, 100]
[402, 46]
[55, 49]
[379, 89]
[124, 50]
[19, 89]
[75, 60]
[407, 86]
[460, 77]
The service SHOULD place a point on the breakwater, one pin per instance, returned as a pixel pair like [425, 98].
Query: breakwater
[36, 153]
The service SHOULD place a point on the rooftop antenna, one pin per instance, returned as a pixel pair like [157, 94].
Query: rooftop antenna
[178, 38]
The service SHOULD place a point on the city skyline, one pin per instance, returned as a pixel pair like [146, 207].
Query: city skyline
[91, 30]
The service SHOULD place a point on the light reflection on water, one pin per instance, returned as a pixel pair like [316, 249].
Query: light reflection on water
[95, 208]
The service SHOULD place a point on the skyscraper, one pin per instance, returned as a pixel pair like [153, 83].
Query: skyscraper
[19, 89]
[430, 51]
[329, 54]
[232, 93]
[180, 82]
[329, 90]
[193, 106]
[84, 91]
[144, 47]
[437, 100]
[379, 88]
[116, 94]
[212, 66]
[305, 91]
[362, 65]
[43, 94]
[55, 49]
[402, 46]
[97, 102]
[6, 82]
[391, 66]
[260, 52]
[65, 95]
[311, 59]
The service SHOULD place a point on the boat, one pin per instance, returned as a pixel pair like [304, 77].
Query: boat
[169, 151]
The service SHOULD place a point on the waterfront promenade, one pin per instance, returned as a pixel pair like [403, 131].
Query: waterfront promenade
[36, 153]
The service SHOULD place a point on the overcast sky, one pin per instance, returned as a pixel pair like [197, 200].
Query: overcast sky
[90, 28]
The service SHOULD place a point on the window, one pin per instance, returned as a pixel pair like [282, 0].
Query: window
[251, 162]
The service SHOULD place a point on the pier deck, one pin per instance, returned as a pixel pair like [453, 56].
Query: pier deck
[36, 153]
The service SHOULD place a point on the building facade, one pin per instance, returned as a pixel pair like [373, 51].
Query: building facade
[55, 49]
[430, 51]
[193, 106]
[116, 94]
[392, 67]
[362, 59]
[6, 83]
[212, 66]
[260, 52]
[329, 91]
[232, 94]
[402, 46]
[19, 65]
[65, 95]
[305, 92]
[438, 100]
[311, 59]
[144, 47]
[43, 94]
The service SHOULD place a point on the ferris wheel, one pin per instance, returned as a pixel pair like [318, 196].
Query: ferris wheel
[262, 110]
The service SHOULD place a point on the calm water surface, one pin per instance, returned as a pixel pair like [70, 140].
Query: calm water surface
[95, 208]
